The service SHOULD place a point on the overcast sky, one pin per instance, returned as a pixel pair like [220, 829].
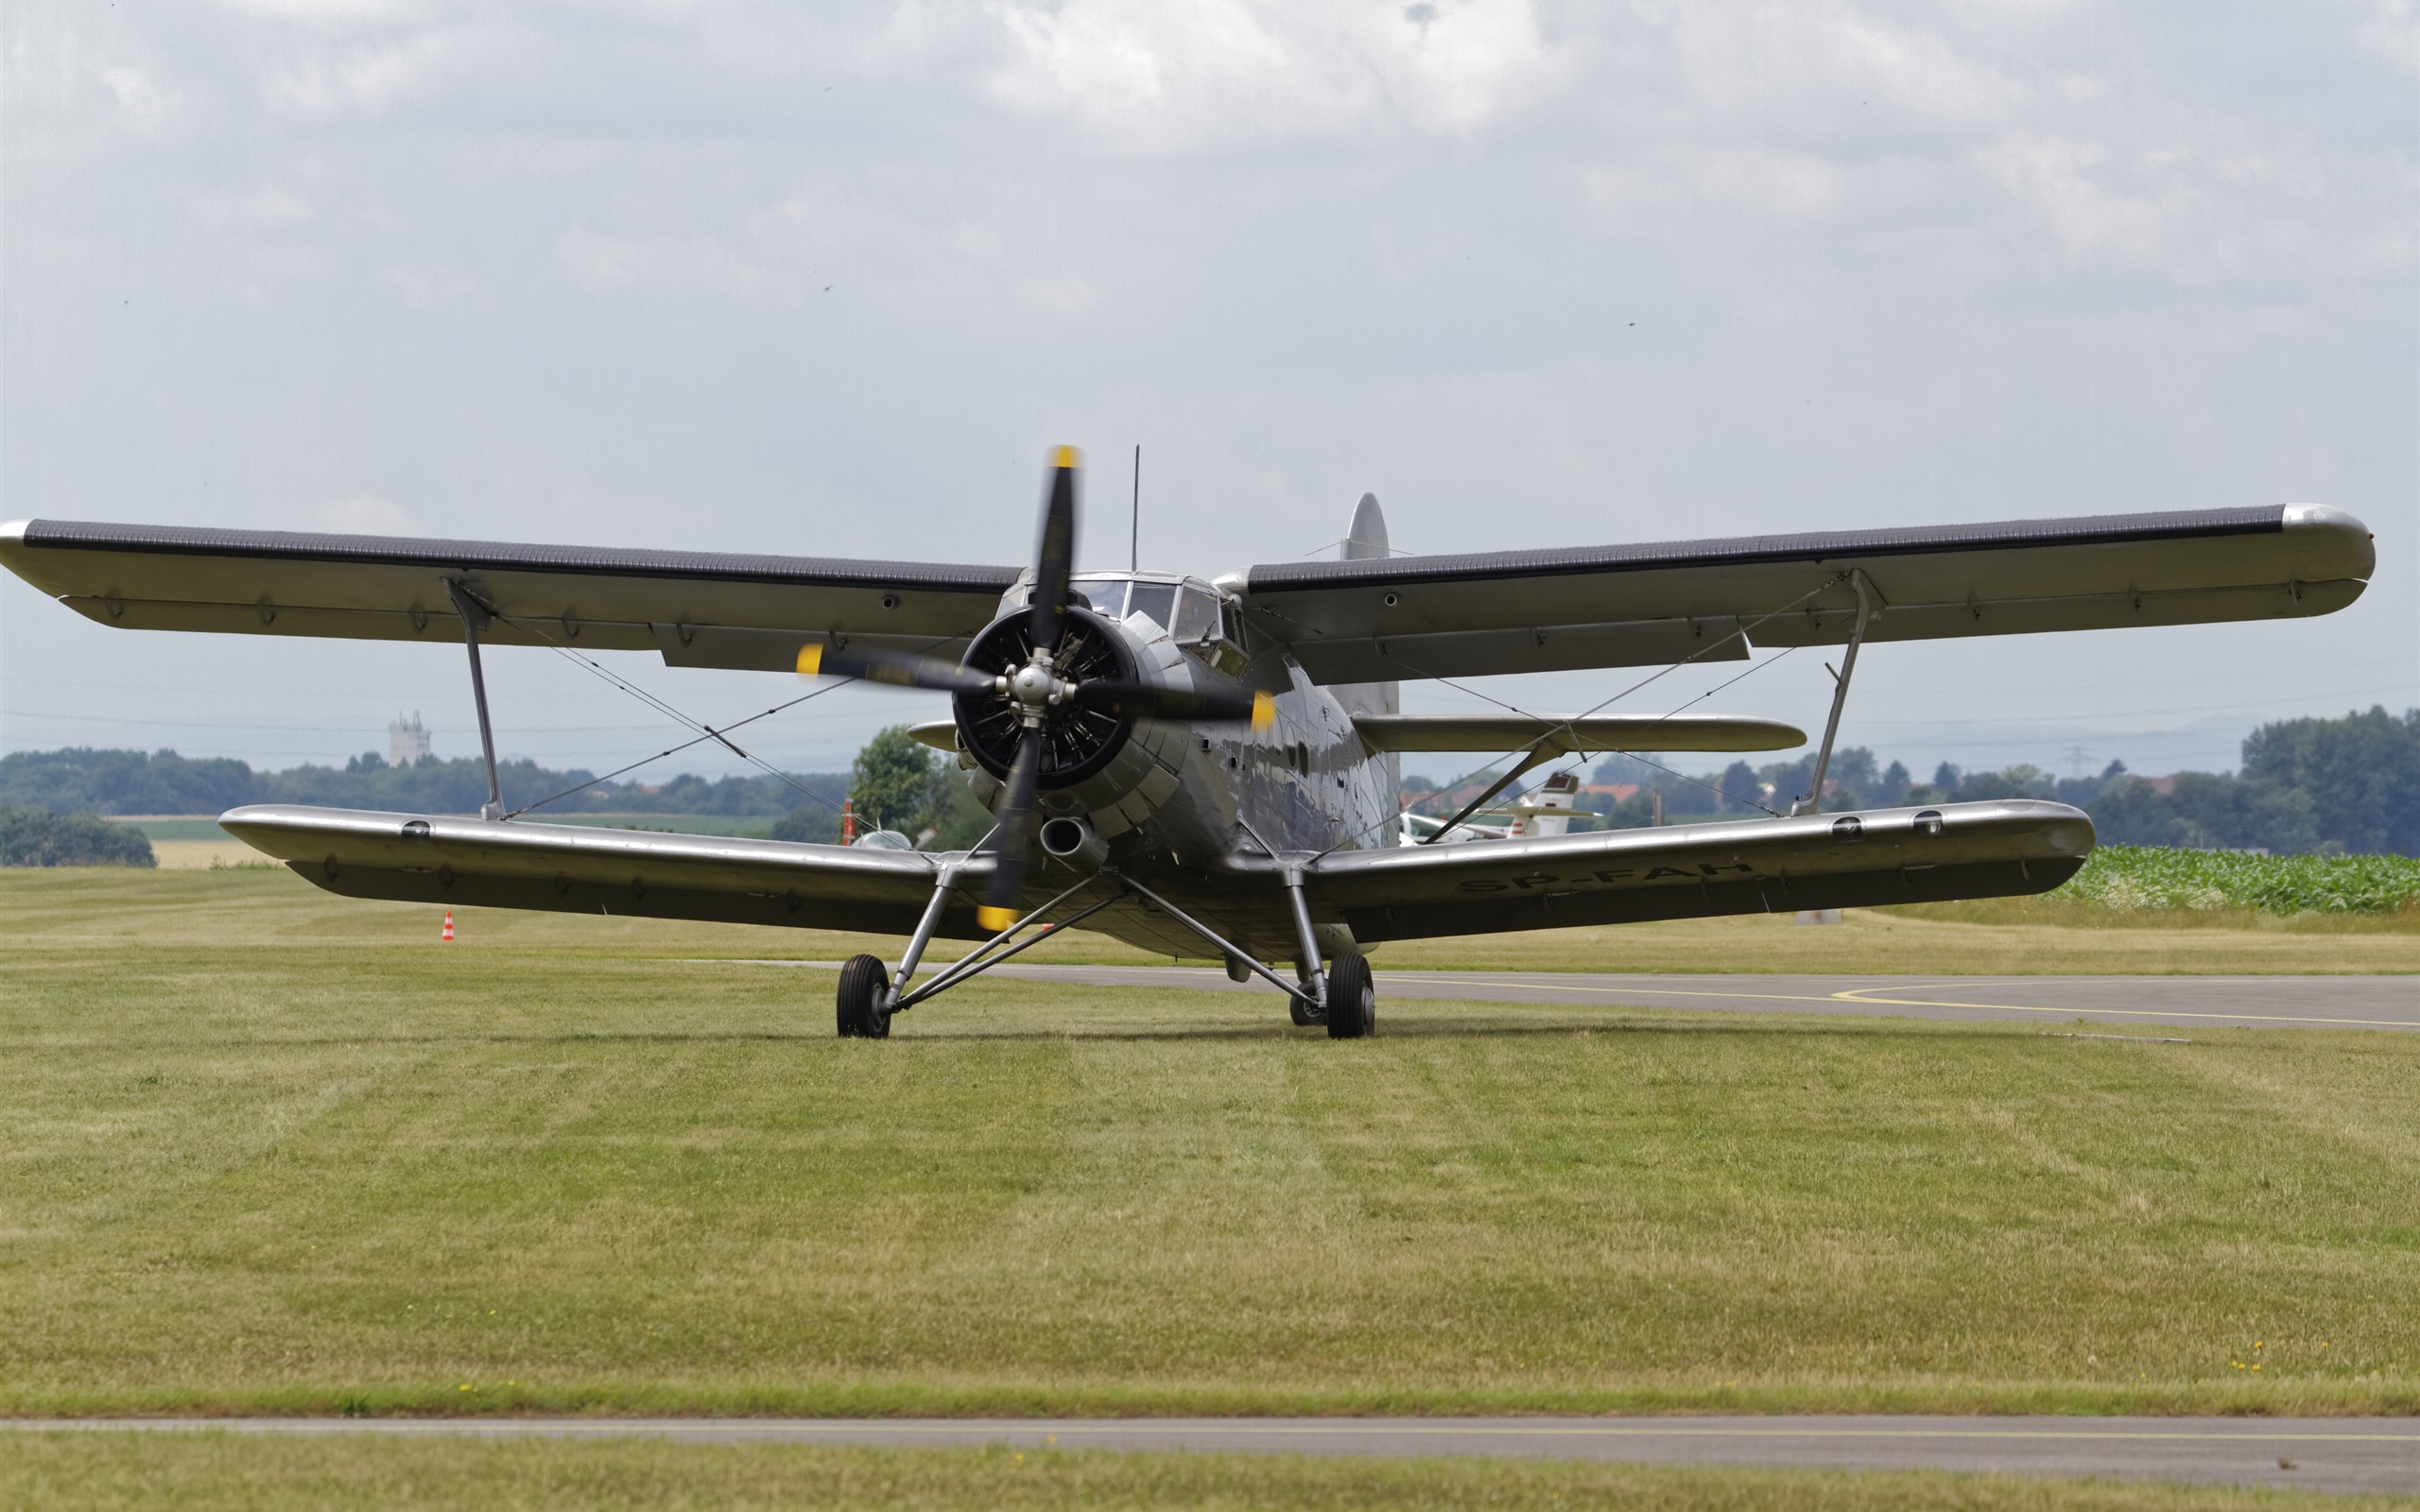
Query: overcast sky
[830, 280]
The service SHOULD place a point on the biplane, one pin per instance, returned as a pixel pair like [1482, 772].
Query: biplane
[1209, 767]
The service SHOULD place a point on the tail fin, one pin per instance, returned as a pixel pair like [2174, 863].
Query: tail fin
[1365, 541]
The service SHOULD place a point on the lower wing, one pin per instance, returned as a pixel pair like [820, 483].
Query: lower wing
[1990, 850]
[570, 869]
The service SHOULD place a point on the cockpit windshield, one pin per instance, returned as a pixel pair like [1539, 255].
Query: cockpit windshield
[1118, 598]
[1191, 613]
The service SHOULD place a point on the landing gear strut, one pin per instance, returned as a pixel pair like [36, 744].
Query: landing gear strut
[870, 994]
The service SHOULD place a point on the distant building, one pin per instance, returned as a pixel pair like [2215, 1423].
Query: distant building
[406, 744]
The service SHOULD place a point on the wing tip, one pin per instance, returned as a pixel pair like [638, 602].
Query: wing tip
[2348, 547]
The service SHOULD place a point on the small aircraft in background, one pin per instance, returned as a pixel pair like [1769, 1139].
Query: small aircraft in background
[1210, 767]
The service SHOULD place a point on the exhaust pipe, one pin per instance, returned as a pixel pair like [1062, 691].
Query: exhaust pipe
[1074, 842]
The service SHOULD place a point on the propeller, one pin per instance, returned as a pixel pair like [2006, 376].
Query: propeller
[1111, 695]
[901, 669]
[1036, 690]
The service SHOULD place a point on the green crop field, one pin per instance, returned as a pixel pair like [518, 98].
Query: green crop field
[2129, 877]
[271, 1151]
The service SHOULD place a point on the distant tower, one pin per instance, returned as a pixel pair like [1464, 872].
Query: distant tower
[406, 744]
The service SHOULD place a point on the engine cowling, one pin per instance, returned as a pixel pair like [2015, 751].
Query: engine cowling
[1077, 743]
[1113, 770]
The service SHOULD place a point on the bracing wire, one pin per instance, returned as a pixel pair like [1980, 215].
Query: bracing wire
[705, 731]
[671, 750]
[1741, 633]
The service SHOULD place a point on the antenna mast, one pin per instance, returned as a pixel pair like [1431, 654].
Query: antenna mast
[1135, 536]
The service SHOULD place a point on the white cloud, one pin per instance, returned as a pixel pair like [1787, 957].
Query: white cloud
[2392, 32]
[372, 77]
[1216, 75]
[363, 515]
[669, 265]
[329, 13]
[429, 287]
[2056, 178]
[1788, 59]
[265, 209]
[146, 101]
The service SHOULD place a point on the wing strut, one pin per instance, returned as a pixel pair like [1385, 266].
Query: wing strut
[1812, 803]
[1538, 756]
[476, 618]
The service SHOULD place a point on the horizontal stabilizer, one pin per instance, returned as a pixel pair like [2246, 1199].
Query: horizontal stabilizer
[1509, 732]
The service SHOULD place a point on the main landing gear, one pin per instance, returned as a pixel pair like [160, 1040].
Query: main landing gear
[1343, 997]
[864, 999]
[1352, 1008]
[1352, 998]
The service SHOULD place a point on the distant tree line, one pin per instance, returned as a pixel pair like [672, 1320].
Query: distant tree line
[38, 837]
[85, 780]
[2341, 787]
[895, 784]
[2349, 785]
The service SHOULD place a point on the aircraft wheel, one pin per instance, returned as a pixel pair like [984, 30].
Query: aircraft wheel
[864, 1005]
[1301, 1010]
[1352, 998]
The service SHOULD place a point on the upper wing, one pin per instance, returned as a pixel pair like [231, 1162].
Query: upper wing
[570, 869]
[1636, 606]
[1689, 872]
[699, 608]
[1384, 732]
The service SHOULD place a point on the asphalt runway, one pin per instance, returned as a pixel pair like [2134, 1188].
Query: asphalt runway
[2324, 1454]
[2172, 1002]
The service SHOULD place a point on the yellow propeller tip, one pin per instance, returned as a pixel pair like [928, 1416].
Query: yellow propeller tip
[1063, 457]
[810, 657]
[995, 919]
[1264, 710]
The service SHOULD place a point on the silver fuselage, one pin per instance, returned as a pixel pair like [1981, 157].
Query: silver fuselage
[1199, 805]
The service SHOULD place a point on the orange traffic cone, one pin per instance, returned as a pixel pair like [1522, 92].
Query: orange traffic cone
[449, 925]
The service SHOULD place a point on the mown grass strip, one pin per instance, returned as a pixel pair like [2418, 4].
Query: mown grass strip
[112, 1472]
[331, 1176]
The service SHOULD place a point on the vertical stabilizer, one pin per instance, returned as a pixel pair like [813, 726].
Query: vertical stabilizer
[1367, 541]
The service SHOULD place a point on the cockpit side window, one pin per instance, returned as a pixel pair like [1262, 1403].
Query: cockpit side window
[1197, 617]
[1150, 600]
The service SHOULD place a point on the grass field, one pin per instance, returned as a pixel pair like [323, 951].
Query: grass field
[263, 1150]
[212, 1470]
[1994, 937]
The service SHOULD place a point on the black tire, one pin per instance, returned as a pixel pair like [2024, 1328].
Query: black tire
[1352, 998]
[1301, 1010]
[863, 1007]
